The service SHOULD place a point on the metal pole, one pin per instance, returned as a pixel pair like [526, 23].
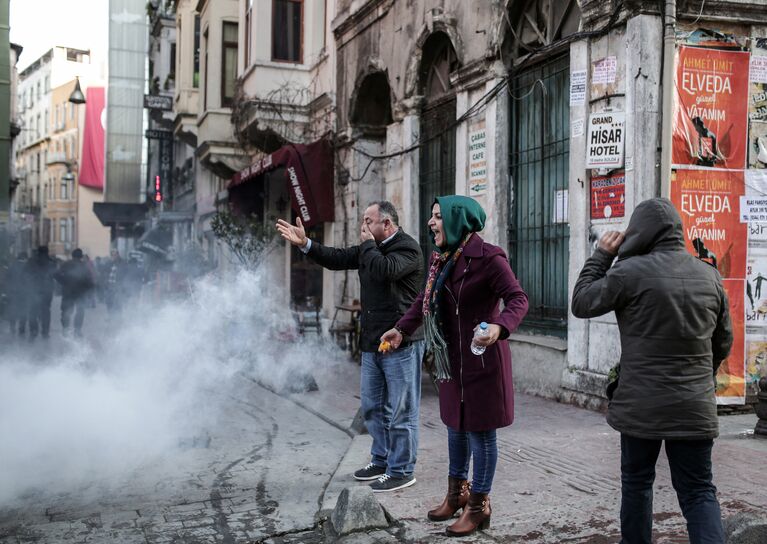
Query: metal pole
[669, 35]
[5, 128]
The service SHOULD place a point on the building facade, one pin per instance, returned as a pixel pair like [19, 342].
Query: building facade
[48, 141]
[7, 226]
[285, 97]
[508, 102]
[558, 117]
[218, 153]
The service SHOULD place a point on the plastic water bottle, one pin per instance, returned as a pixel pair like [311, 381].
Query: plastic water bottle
[481, 331]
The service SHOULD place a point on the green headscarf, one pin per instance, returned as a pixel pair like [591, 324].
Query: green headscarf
[460, 216]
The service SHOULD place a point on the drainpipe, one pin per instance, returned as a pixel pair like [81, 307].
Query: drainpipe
[5, 130]
[669, 35]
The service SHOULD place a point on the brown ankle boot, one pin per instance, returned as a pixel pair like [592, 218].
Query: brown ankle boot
[475, 516]
[456, 498]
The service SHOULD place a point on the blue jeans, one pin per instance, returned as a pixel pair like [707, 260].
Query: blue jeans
[390, 387]
[690, 463]
[482, 446]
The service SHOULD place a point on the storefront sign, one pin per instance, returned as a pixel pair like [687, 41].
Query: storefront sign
[605, 140]
[478, 159]
[158, 134]
[710, 108]
[158, 102]
[608, 196]
[309, 175]
[166, 163]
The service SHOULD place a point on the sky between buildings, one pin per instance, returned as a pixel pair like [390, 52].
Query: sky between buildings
[38, 25]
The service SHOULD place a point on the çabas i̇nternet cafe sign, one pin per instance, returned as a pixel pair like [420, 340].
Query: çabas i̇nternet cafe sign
[719, 186]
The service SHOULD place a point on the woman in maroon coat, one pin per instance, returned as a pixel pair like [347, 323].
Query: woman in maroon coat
[467, 280]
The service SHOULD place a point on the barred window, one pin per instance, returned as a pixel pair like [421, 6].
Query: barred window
[539, 231]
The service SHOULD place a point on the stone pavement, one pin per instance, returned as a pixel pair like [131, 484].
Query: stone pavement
[273, 466]
[558, 478]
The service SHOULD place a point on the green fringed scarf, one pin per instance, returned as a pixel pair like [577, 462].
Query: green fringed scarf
[441, 266]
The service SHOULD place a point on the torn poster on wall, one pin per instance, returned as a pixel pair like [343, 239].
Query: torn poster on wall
[709, 203]
[710, 113]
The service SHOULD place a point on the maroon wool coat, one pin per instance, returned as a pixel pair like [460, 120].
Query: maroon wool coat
[481, 385]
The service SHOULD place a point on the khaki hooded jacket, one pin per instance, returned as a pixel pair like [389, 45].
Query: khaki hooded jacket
[674, 324]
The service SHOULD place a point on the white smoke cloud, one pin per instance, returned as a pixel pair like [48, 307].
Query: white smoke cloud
[96, 412]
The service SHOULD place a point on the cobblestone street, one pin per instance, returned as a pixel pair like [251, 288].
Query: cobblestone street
[272, 466]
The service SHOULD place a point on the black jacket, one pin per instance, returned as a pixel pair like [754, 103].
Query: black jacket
[391, 277]
[75, 279]
[39, 271]
[674, 324]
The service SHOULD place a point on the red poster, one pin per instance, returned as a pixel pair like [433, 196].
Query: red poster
[608, 196]
[709, 203]
[730, 380]
[711, 108]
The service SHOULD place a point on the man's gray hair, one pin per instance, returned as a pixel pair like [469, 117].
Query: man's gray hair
[387, 209]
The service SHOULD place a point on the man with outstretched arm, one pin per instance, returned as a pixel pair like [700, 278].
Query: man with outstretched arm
[390, 267]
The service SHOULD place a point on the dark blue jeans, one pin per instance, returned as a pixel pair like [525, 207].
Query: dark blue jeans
[390, 391]
[482, 446]
[690, 463]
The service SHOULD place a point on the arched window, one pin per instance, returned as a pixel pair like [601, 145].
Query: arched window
[535, 24]
[437, 155]
[371, 107]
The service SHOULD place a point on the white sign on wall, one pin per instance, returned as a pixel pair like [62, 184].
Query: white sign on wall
[605, 140]
[576, 128]
[758, 69]
[753, 209]
[577, 87]
[603, 71]
[477, 159]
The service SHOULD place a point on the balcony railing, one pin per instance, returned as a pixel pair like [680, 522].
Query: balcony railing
[57, 157]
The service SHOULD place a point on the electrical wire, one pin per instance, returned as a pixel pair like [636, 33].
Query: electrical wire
[482, 102]
[700, 13]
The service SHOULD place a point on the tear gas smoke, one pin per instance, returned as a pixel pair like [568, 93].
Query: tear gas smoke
[97, 412]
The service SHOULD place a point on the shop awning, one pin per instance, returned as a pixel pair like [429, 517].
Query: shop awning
[308, 173]
[116, 213]
[156, 240]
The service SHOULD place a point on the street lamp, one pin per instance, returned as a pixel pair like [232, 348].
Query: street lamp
[77, 96]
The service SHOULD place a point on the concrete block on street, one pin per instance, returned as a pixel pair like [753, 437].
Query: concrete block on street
[745, 529]
[357, 509]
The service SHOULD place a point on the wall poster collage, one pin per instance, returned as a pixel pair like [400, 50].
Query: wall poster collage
[719, 186]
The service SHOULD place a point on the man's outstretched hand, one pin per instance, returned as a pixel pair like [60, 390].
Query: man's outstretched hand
[295, 234]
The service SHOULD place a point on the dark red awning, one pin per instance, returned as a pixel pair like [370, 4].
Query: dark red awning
[309, 175]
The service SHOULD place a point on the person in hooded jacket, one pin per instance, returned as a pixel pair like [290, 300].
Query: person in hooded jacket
[39, 271]
[467, 280]
[17, 291]
[76, 283]
[675, 331]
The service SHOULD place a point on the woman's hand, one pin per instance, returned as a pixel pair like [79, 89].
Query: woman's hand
[493, 332]
[393, 337]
